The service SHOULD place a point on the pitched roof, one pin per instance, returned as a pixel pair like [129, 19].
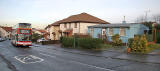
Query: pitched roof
[83, 17]
[57, 23]
[7, 29]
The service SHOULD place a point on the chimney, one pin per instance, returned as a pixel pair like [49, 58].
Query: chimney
[124, 22]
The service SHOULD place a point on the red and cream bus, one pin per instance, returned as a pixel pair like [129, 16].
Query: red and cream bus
[21, 34]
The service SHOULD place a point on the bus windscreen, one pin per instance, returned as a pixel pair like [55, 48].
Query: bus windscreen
[23, 37]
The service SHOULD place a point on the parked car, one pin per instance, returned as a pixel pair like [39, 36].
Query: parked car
[40, 40]
[1, 39]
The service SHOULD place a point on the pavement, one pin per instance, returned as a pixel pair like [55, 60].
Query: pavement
[4, 65]
[54, 58]
[152, 57]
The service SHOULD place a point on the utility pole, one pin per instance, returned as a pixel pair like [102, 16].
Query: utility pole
[146, 17]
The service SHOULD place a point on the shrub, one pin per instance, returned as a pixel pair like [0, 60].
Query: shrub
[116, 40]
[139, 44]
[135, 44]
[130, 41]
[143, 44]
[149, 37]
[87, 43]
[90, 43]
[35, 37]
[67, 41]
[153, 45]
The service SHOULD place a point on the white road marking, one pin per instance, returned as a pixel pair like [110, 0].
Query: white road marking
[48, 52]
[47, 55]
[92, 66]
[24, 58]
[81, 63]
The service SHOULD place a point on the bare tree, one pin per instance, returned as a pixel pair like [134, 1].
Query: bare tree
[156, 18]
[140, 19]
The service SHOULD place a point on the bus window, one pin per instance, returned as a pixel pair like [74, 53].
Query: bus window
[23, 37]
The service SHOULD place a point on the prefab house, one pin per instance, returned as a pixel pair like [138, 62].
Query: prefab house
[125, 31]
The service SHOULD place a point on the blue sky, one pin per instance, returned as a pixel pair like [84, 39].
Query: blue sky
[43, 12]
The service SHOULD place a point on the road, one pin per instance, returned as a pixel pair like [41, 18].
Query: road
[43, 58]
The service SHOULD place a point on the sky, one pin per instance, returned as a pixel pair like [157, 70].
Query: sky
[40, 13]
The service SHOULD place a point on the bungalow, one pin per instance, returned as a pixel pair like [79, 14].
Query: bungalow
[75, 24]
[126, 31]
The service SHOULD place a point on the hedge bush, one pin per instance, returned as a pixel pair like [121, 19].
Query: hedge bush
[138, 44]
[87, 43]
[149, 37]
[116, 40]
[130, 41]
[67, 41]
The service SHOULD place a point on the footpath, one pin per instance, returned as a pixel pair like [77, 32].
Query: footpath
[4, 66]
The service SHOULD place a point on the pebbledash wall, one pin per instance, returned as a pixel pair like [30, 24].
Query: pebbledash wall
[130, 30]
[4, 34]
[81, 27]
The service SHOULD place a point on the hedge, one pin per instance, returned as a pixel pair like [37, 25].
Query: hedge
[87, 43]
[149, 37]
[67, 41]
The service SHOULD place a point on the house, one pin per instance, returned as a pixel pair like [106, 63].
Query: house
[54, 31]
[42, 32]
[75, 24]
[126, 31]
[5, 32]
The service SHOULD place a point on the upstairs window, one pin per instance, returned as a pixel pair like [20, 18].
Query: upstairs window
[69, 25]
[110, 33]
[122, 32]
[75, 25]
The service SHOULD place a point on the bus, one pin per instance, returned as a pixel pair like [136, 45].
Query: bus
[22, 34]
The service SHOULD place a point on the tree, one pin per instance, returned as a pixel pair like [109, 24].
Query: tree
[156, 18]
[36, 36]
[143, 44]
[139, 44]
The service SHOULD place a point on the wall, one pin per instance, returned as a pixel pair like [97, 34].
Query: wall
[5, 34]
[54, 29]
[137, 29]
[117, 31]
[81, 27]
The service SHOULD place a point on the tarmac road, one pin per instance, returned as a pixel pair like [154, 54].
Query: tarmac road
[42, 58]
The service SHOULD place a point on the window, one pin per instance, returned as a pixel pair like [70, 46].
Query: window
[75, 25]
[65, 25]
[110, 33]
[23, 37]
[122, 32]
[25, 31]
[91, 31]
[69, 25]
